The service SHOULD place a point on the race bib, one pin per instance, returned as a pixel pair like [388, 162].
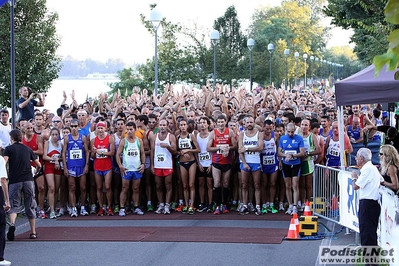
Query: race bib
[290, 152]
[334, 152]
[184, 144]
[101, 155]
[270, 159]
[221, 147]
[54, 157]
[161, 157]
[204, 156]
[75, 154]
[132, 152]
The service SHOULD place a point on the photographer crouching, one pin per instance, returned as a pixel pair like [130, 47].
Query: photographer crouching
[26, 104]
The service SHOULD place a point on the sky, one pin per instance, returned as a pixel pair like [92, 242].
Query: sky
[103, 29]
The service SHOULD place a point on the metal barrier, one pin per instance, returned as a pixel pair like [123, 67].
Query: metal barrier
[325, 193]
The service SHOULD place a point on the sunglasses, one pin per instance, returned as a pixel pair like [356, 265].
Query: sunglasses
[57, 121]
[381, 154]
[74, 126]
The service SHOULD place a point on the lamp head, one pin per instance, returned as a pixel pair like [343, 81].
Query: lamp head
[155, 17]
[286, 52]
[270, 47]
[250, 44]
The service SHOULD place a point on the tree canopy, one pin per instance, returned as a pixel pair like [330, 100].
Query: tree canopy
[36, 42]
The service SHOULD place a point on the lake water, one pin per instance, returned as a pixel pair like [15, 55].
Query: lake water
[82, 88]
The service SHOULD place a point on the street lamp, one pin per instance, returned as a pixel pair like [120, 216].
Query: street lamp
[270, 47]
[156, 18]
[12, 62]
[296, 67]
[311, 66]
[305, 56]
[250, 44]
[286, 53]
[215, 36]
[317, 67]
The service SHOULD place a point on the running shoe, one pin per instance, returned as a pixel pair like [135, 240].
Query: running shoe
[5, 263]
[184, 210]
[138, 211]
[289, 210]
[93, 209]
[52, 215]
[116, 208]
[233, 207]
[258, 211]
[224, 209]
[10, 233]
[264, 209]
[272, 209]
[202, 207]
[244, 210]
[100, 212]
[173, 206]
[190, 210]
[61, 212]
[42, 214]
[74, 212]
[160, 209]
[179, 208]
[251, 207]
[150, 208]
[294, 210]
[166, 210]
[110, 212]
[83, 211]
[239, 207]
[281, 207]
[210, 208]
[217, 211]
[122, 212]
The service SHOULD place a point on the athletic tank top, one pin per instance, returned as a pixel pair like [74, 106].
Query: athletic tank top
[102, 162]
[251, 142]
[308, 145]
[354, 133]
[184, 143]
[33, 145]
[131, 155]
[333, 153]
[162, 156]
[221, 140]
[53, 152]
[75, 152]
[203, 156]
[269, 152]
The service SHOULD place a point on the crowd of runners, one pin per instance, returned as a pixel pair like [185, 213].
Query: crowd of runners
[192, 151]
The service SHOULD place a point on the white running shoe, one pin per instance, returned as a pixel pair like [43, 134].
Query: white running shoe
[74, 212]
[160, 209]
[289, 211]
[138, 211]
[83, 211]
[122, 212]
[166, 209]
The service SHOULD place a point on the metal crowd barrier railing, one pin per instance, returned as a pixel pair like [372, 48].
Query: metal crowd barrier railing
[325, 193]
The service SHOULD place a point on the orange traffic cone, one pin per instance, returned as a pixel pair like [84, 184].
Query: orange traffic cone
[292, 232]
[307, 211]
[295, 217]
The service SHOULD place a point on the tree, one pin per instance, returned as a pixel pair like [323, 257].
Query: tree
[231, 47]
[391, 57]
[36, 42]
[287, 26]
[366, 18]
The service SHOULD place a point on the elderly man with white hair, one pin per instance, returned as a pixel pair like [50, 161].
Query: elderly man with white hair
[369, 209]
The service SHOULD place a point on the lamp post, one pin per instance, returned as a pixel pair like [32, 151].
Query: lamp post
[305, 56]
[317, 66]
[12, 61]
[156, 18]
[250, 44]
[286, 53]
[270, 47]
[296, 67]
[311, 66]
[325, 66]
[215, 36]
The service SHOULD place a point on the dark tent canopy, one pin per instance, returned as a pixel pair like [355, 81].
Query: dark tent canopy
[364, 88]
